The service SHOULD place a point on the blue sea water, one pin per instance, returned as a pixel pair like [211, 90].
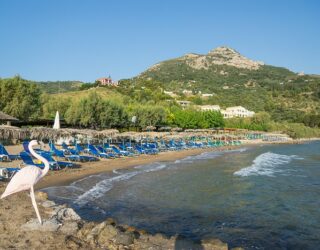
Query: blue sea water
[262, 197]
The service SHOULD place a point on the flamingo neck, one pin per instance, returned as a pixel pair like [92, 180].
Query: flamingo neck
[39, 157]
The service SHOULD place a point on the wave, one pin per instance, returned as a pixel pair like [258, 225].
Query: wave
[209, 155]
[266, 164]
[106, 185]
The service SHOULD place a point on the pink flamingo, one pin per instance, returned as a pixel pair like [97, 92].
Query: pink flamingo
[27, 177]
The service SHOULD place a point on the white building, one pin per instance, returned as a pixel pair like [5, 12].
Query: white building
[170, 93]
[184, 104]
[206, 95]
[187, 92]
[237, 111]
[210, 108]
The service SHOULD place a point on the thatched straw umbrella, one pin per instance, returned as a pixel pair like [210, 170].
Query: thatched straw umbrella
[167, 128]
[13, 133]
[149, 128]
[7, 118]
[177, 129]
[42, 133]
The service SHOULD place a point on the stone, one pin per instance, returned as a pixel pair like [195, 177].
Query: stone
[48, 204]
[106, 234]
[125, 238]
[41, 196]
[51, 225]
[69, 228]
[85, 230]
[214, 244]
[110, 221]
[67, 214]
[73, 242]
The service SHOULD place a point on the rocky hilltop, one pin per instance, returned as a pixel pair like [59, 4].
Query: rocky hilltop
[218, 56]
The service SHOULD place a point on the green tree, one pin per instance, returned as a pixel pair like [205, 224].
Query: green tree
[20, 98]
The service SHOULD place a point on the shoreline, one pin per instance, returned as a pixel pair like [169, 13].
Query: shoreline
[64, 229]
[67, 176]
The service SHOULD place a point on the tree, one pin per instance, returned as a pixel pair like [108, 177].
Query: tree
[20, 98]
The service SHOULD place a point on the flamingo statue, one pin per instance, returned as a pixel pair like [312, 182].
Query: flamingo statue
[27, 177]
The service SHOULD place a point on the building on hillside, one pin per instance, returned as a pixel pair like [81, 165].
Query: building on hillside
[184, 104]
[237, 111]
[107, 81]
[187, 92]
[210, 108]
[170, 93]
[206, 95]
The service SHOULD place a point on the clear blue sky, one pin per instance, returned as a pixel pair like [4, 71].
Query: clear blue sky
[84, 40]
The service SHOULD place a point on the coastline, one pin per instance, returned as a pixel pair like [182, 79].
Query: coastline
[67, 176]
[19, 228]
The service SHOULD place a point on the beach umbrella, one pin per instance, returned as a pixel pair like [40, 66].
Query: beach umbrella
[11, 132]
[44, 133]
[56, 124]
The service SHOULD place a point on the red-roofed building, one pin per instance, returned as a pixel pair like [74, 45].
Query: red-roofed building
[107, 81]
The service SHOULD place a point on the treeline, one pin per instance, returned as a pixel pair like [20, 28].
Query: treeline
[97, 112]
[25, 100]
[114, 108]
[262, 122]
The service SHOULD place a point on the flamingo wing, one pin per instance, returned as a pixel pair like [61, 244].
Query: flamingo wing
[23, 180]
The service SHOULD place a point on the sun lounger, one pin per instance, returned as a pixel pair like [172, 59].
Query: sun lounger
[27, 160]
[4, 155]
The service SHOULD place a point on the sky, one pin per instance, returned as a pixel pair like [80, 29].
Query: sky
[84, 40]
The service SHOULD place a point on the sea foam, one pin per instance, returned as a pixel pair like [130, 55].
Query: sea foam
[102, 187]
[266, 164]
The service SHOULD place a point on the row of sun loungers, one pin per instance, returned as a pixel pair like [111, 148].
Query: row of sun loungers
[68, 156]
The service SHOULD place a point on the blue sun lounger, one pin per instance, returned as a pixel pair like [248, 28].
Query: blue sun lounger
[27, 160]
[73, 157]
[7, 173]
[94, 151]
[62, 164]
[4, 155]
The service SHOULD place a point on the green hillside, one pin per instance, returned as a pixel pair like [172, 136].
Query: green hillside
[59, 86]
[282, 93]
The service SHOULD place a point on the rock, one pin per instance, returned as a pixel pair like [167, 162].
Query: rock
[85, 230]
[48, 203]
[51, 225]
[67, 214]
[237, 248]
[69, 228]
[73, 242]
[125, 238]
[41, 196]
[106, 234]
[110, 221]
[182, 243]
[214, 244]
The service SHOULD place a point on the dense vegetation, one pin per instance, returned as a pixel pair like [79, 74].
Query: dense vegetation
[59, 86]
[282, 100]
[278, 91]
[20, 98]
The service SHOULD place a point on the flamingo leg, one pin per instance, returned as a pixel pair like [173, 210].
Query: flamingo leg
[33, 199]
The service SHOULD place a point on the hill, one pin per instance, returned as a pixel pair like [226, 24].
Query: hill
[52, 87]
[233, 79]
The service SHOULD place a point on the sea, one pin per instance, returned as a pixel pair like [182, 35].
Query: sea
[256, 197]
